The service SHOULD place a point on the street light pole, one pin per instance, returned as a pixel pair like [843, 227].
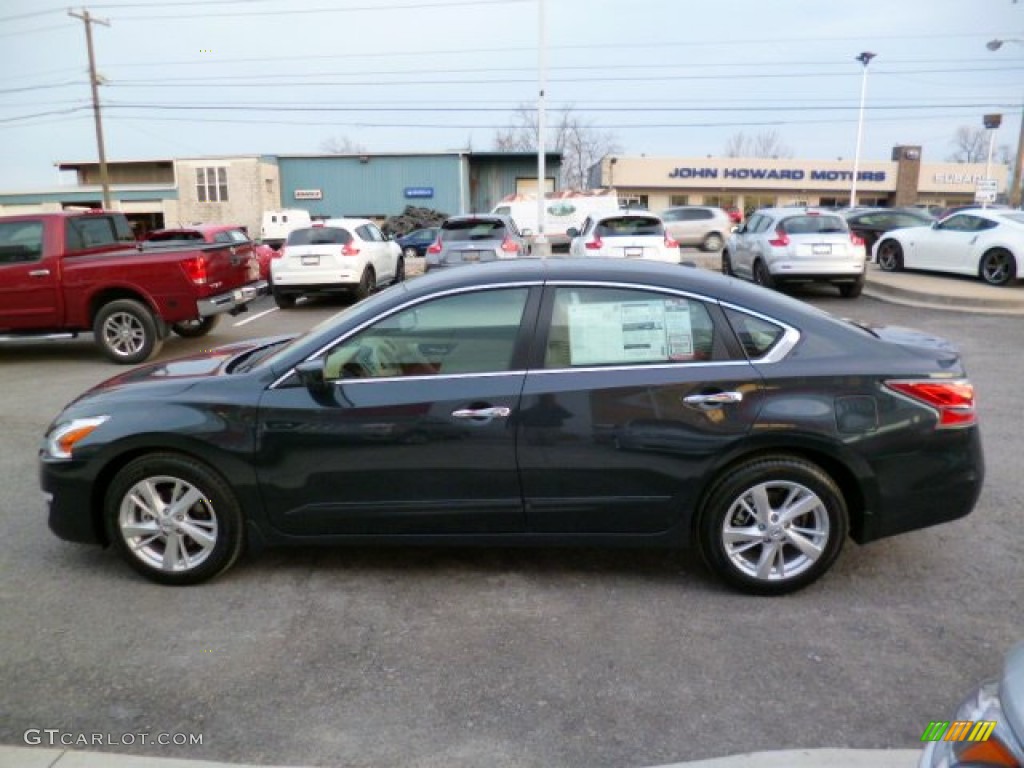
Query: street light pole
[865, 59]
[1015, 191]
[540, 241]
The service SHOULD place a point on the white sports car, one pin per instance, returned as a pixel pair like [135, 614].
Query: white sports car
[985, 242]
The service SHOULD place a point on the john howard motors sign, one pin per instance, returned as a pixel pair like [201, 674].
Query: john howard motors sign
[813, 175]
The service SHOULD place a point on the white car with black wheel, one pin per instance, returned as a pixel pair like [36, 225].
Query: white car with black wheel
[981, 242]
[335, 256]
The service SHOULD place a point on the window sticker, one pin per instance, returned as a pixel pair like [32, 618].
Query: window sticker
[630, 332]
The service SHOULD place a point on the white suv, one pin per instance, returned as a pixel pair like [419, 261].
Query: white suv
[797, 245]
[335, 256]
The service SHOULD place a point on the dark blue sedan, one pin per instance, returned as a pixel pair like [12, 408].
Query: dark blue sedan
[417, 241]
[530, 402]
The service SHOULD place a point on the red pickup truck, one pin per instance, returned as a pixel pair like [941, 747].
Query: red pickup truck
[65, 273]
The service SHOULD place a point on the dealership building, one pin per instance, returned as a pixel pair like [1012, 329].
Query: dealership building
[750, 183]
[238, 189]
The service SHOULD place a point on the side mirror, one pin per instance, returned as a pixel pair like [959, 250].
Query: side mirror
[311, 374]
[572, 232]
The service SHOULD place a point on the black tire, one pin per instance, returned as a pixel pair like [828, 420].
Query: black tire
[284, 300]
[762, 276]
[997, 267]
[193, 329]
[727, 264]
[713, 242]
[145, 541]
[890, 256]
[851, 290]
[399, 271]
[367, 282]
[749, 558]
[409, 252]
[127, 332]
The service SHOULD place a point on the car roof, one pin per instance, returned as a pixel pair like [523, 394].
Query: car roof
[479, 217]
[630, 214]
[340, 222]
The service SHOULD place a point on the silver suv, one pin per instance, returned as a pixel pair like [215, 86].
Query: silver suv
[797, 245]
[704, 226]
[474, 238]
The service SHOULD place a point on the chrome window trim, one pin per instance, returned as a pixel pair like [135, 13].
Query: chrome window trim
[641, 366]
[790, 336]
[401, 307]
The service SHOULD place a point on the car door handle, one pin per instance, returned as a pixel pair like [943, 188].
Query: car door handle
[39, 273]
[497, 412]
[714, 398]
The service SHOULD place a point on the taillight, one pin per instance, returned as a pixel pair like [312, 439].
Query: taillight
[952, 400]
[435, 247]
[595, 244]
[669, 242]
[195, 269]
[508, 245]
[781, 238]
[349, 250]
[856, 239]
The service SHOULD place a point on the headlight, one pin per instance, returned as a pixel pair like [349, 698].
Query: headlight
[61, 440]
[972, 739]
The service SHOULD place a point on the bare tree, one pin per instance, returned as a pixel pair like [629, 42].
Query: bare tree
[341, 145]
[581, 143]
[970, 145]
[763, 144]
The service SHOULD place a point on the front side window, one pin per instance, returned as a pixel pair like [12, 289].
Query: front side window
[462, 334]
[21, 241]
[618, 326]
[212, 185]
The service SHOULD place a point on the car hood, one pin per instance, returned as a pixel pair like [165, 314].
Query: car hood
[170, 377]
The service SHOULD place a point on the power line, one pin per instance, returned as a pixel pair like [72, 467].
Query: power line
[351, 9]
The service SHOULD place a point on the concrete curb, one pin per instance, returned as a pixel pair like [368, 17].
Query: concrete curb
[32, 757]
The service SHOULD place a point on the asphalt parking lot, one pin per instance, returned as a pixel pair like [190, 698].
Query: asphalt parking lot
[442, 657]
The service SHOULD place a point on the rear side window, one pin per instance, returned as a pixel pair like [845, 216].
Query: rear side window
[630, 226]
[614, 326]
[319, 236]
[756, 335]
[96, 231]
[474, 229]
[21, 241]
[813, 225]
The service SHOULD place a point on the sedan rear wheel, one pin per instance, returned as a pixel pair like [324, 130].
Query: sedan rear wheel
[773, 525]
[174, 520]
[890, 256]
[998, 267]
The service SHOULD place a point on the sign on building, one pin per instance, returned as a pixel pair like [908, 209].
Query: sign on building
[309, 194]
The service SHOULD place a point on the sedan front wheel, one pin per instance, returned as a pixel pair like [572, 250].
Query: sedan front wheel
[174, 520]
[997, 267]
[773, 525]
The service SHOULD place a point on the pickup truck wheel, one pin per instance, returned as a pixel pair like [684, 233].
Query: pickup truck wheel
[173, 519]
[193, 329]
[126, 332]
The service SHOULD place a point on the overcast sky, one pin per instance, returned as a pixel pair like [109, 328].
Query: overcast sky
[667, 77]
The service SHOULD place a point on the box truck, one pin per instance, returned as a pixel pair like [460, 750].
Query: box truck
[562, 210]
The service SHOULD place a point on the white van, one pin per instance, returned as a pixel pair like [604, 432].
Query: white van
[277, 224]
[565, 209]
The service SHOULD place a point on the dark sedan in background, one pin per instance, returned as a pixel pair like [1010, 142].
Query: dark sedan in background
[584, 402]
[416, 242]
[871, 223]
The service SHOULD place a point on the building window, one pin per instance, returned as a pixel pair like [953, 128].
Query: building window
[675, 200]
[722, 201]
[212, 185]
[633, 202]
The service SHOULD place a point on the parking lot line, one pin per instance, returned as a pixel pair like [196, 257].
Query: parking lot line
[255, 317]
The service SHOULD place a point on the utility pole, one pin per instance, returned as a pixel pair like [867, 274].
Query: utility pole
[94, 81]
